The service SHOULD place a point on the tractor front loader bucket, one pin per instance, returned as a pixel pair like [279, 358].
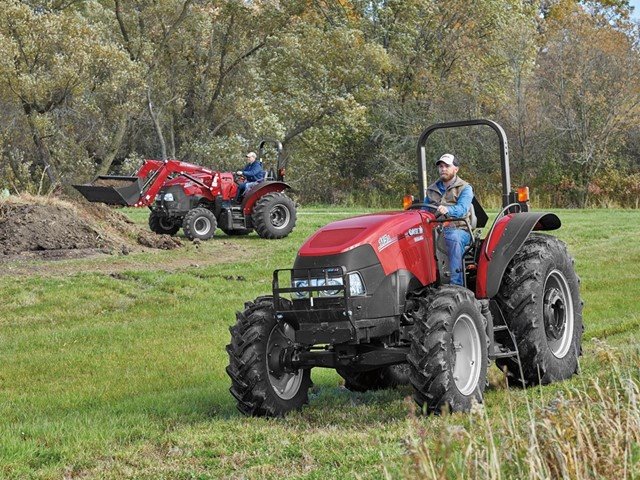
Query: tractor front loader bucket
[112, 190]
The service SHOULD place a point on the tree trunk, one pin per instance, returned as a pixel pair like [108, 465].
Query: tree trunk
[41, 148]
[172, 137]
[115, 145]
[156, 124]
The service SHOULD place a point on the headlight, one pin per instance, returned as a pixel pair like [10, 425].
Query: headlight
[168, 197]
[356, 286]
[300, 284]
[331, 281]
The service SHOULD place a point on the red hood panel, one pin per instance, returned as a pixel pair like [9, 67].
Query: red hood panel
[378, 230]
[401, 241]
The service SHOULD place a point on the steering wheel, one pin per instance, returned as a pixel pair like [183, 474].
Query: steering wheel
[420, 206]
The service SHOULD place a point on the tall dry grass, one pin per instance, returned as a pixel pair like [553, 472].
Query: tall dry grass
[589, 431]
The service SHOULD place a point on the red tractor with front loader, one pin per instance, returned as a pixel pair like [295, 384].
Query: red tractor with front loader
[199, 200]
[371, 297]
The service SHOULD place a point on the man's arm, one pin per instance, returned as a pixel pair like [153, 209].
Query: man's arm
[463, 204]
[253, 172]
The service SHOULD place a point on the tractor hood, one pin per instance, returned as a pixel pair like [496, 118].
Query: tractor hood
[380, 230]
[391, 251]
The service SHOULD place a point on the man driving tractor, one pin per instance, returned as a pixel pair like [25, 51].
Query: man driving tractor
[253, 174]
[453, 196]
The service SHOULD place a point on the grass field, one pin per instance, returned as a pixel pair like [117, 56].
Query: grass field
[113, 367]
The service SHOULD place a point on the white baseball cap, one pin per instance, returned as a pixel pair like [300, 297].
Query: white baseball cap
[449, 159]
[251, 154]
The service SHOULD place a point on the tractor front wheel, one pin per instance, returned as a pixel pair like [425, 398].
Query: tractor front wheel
[199, 223]
[274, 215]
[162, 224]
[448, 356]
[260, 384]
[540, 298]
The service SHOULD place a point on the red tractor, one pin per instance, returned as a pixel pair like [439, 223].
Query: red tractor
[198, 200]
[371, 297]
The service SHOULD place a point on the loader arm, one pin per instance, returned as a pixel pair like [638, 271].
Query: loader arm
[141, 190]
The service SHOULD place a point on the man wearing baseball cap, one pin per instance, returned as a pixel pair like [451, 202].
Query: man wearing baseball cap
[252, 172]
[453, 197]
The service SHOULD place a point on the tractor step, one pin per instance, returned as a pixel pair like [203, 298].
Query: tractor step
[235, 218]
[500, 350]
[499, 353]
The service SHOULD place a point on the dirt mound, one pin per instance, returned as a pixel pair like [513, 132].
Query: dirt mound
[49, 227]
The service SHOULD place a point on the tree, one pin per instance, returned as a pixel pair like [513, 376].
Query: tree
[56, 67]
[588, 80]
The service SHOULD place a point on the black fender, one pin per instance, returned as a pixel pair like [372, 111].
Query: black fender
[512, 238]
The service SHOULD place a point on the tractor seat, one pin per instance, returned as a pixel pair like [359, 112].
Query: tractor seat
[269, 175]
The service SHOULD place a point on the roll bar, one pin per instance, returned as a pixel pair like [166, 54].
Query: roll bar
[280, 160]
[504, 153]
[277, 145]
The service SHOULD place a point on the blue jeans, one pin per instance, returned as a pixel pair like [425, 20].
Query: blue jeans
[456, 240]
[243, 187]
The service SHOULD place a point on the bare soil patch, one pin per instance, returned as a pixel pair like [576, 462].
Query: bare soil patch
[53, 229]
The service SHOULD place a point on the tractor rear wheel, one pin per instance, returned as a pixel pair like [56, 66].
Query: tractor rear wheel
[448, 356]
[378, 379]
[274, 215]
[163, 224]
[540, 298]
[261, 386]
[199, 223]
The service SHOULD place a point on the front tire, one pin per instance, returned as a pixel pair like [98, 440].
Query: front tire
[274, 215]
[162, 224]
[259, 385]
[540, 299]
[199, 223]
[448, 355]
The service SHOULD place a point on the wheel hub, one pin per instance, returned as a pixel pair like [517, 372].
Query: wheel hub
[279, 216]
[467, 360]
[557, 311]
[554, 313]
[166, 223]
[202, 226]
[285, 383]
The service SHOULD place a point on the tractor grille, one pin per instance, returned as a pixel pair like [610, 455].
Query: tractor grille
[317, 294]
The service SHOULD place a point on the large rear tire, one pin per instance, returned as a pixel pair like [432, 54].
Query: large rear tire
[540, 299]
[199, 223]
[259, 385]
[378, 379]
[163, 224]
[448, 355]
[274, 215]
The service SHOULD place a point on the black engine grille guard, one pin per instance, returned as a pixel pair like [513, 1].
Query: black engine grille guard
[319, 319]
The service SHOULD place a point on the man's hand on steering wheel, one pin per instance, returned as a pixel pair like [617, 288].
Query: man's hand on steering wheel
[442, 210]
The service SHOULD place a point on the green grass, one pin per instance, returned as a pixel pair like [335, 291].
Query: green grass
[121, 374]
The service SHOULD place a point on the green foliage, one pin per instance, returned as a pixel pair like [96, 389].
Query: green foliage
[346, 86]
